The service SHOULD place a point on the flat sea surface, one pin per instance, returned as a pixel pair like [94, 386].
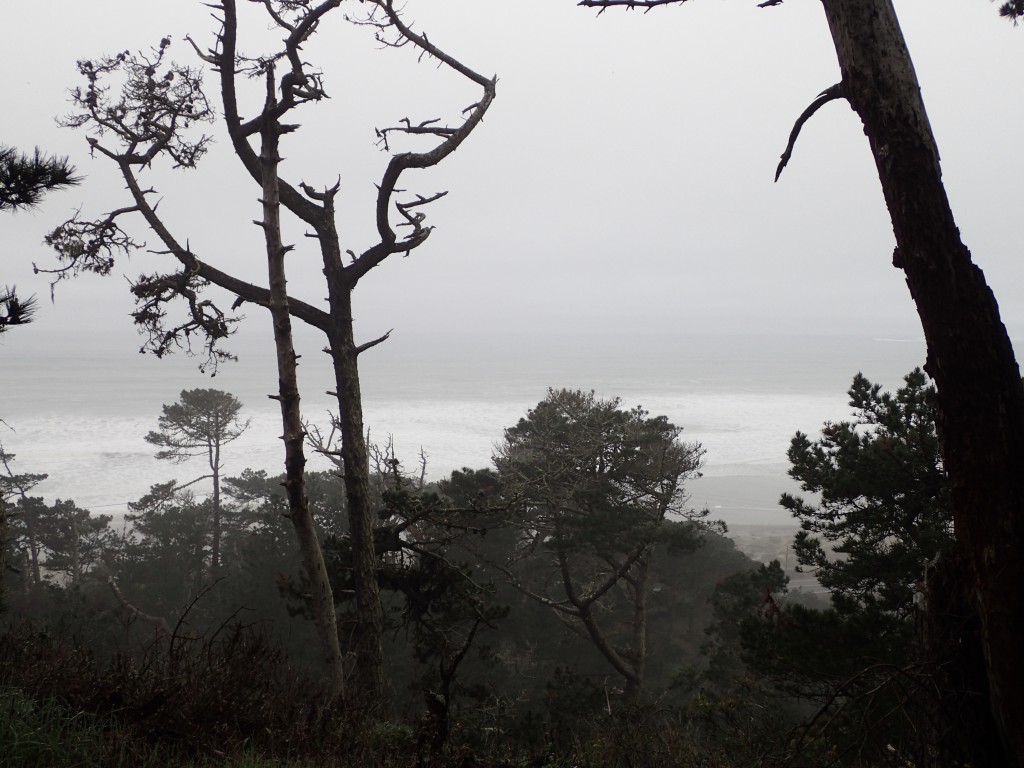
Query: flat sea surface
[80, 412]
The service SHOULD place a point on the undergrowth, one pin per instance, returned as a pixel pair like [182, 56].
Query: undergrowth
[234, 700]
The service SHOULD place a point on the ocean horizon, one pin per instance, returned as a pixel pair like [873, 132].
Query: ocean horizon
[80, 414]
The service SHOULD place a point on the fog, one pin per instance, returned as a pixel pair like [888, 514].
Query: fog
[623, 179]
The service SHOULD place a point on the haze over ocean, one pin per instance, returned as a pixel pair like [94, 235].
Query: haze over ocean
[79, 410]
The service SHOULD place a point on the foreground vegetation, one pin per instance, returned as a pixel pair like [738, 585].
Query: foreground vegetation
[209, 709]
[561, 608]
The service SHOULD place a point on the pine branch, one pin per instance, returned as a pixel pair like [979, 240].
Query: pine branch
[24, 178]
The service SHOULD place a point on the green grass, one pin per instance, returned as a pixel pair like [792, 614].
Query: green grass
[45, 734]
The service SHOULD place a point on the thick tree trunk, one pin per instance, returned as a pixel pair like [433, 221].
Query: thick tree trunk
[322, 596]
[4, 533]
[368, 628]
[317, 210]
[981, 400]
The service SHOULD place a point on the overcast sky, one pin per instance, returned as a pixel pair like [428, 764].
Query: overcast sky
[623, 179]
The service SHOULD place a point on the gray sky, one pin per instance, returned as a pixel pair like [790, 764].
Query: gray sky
[622, 180]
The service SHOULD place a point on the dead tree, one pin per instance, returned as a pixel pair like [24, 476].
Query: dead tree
[970, 356]
[149, 119]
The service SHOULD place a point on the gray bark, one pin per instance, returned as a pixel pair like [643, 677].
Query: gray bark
[368, 629]
[322, 595]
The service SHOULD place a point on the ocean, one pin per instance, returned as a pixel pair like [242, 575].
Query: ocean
[80, 413]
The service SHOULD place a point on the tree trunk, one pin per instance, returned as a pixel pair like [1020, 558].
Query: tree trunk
[641, 591]
[631, 672]
[368, 629]
[33, 555]
[76, 558]
[215, 542]
[970, 357]
[322, 597]
[4, 533]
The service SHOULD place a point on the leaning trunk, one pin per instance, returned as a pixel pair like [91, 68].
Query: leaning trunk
[368, 630]
[970, 357]
[322, 596]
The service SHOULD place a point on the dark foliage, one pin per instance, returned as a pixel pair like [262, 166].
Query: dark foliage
[1013, 10]
[15, 310]
[879, 529]
[591, 486]
[884, 512]
[194, 695]
[25, 178]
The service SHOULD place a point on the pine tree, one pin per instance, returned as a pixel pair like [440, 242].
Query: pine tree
[201, 423]
[15, 310]
[884, 512]
[13, 489]
[25, 178]
[593, 484]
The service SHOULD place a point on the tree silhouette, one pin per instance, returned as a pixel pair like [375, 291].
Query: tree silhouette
[13, 309]
[23, 181]
[13, 489]
[141, 108]
[201, 423]
[970, 355]
[884, 499]
[593, 485]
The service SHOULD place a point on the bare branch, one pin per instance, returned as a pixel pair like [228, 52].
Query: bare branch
[279, 20]
[629, 4]
[326, 445]
[159, 623]
[829, 94]
[370, 344]
[199, 270]
[326, 196]
[452, 138]
[210, 57]
[175, 487]
[427, 127]
[291, 198]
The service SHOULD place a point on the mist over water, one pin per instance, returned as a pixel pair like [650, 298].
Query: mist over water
[81, 413]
